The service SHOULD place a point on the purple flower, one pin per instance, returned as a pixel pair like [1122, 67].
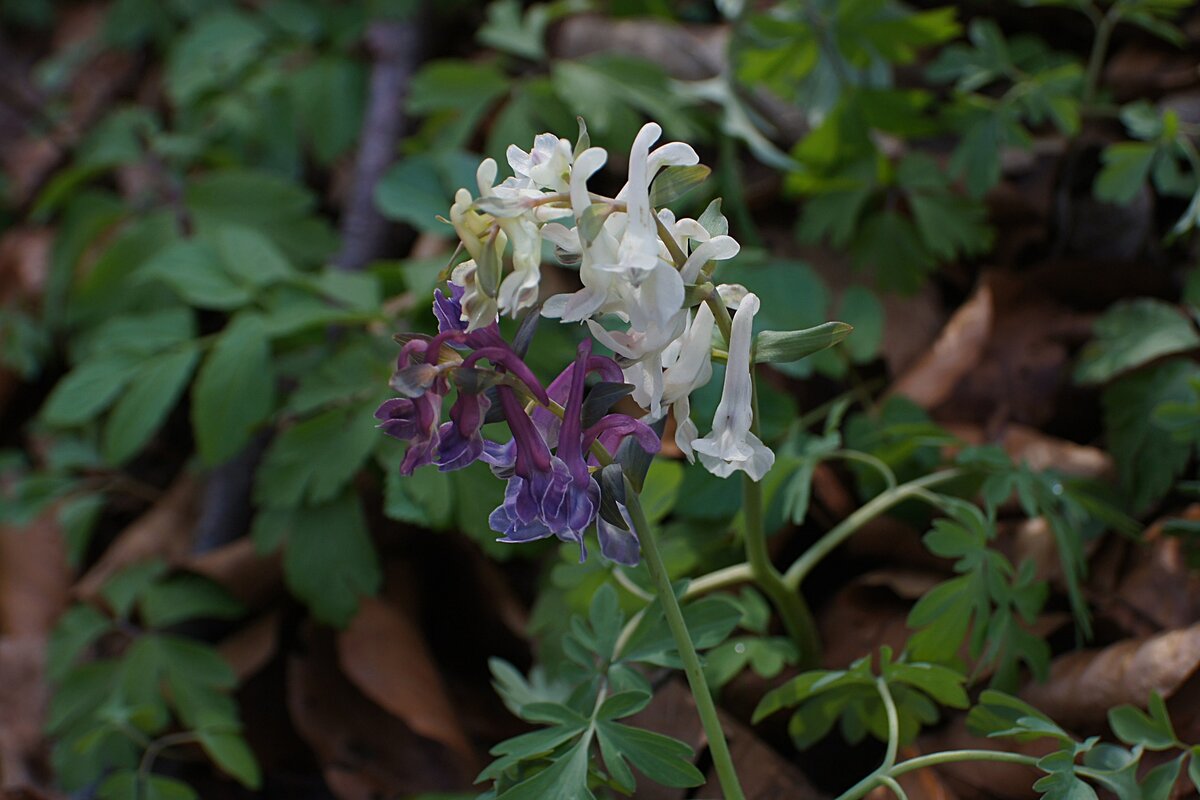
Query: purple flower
[555, 494]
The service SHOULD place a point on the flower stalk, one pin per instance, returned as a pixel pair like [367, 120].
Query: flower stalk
[717, 745]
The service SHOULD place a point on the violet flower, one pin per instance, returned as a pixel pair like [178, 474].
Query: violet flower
[555, 494]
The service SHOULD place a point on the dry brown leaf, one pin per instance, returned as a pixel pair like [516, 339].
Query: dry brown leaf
[24, 264]
[384, 654]
[23, 696]
[162, 532]
[247, 574]
[35, 579]
[1084, 684]
[957, 350]
[870, 612]
[1024, 443]
[1157, 589]
[365, 752]
[252, 647]
[686, 52]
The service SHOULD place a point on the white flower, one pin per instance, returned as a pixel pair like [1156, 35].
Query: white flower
[731, 446]
[478, 309]
[547, 165]
[519, 289]
[688, 366]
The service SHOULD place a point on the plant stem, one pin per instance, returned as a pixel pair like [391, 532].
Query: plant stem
[1104, 28]
[826, 544]
[722, 578]
[722, 760]
[796, 616]
[888, 776]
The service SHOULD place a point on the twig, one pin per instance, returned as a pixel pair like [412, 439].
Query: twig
[394, 45]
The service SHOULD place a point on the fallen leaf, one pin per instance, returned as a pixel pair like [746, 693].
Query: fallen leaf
[35, 579]
[685, 52]
[163, 532]
[1084, 684]
[247, 574]
[955, 353]
[1024, 443]
[1157, 588]
[363, 751]
[23, 696]
[384, 654]
[252, 647]
[24, 264]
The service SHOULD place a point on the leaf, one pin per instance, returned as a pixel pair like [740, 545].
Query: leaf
[251, 257]
[151, 394]
[234, 391]
[193, 269]
[1126, 167]
[230, 752]
[782, 346]
[1001, 715]
[123, 785]
[942, 684]
[89, 389]
[127, 586]
[861, 310]
[1148, 457]
[709, 620]
[888, 243]
[420, 188]
[566, 778]
[313, 460]
[660, 490]
[76, 630]
[211, 54]
[1133, 333]
[660, 758]
[950, 226]
[673, 182]
[185, 597]
[328, 560]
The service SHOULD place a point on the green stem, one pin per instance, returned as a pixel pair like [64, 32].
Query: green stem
[887, 777]
[1104, 29]
[718, 747]
[721, 579]
[828, 543]
[796, 616]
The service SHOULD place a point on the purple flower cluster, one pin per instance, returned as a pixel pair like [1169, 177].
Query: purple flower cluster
[548, 462]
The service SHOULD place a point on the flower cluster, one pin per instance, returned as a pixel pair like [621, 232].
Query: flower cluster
[646, 295]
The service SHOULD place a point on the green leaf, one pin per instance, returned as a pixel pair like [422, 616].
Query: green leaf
[673, 182]
[1133, 333]
[146, 402]
[193, 269]
[137, 334]
[1134, 727]
[425, 498]
[251, 257]
[660, 489]
[861, 309]
[421, 188]
[1126, 167]
[772, 347]
[950, 226]
[328, 96]
[566, 778]
[888, 243]
[313, 460]
[123, 589]
[1148, 457]
[1001, 715]
[709, 620]
[185, 597]
[212, 54]
[942, 684]
[230, 752]
[660, 758]
[329, 560]
[89, 389]
[234, 391]
[124, 785]
[622, 704]
[76, 630]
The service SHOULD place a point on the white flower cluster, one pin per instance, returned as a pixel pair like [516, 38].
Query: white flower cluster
[635, 264]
